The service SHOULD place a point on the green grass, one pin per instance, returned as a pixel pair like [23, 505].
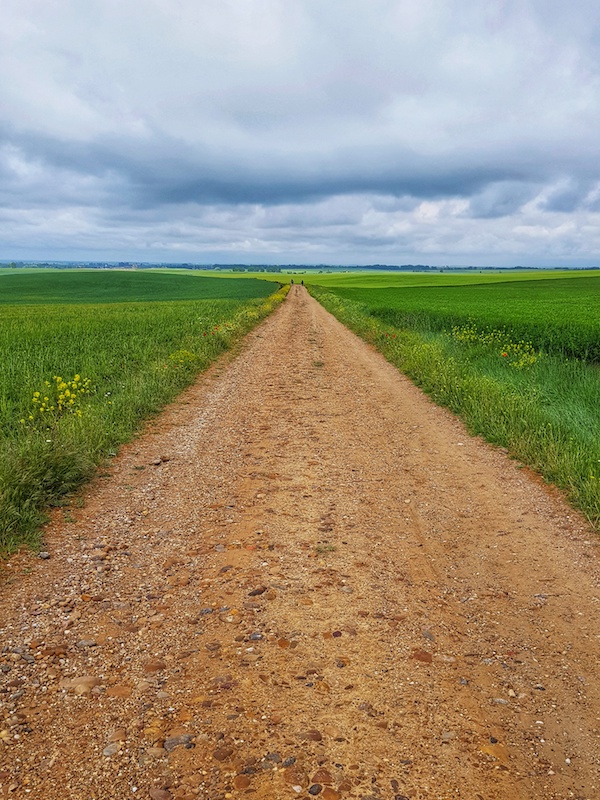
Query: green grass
[137, 356]
[374, 280]
[117, 286]
[543, 407]
[561, 315]
[383, 278]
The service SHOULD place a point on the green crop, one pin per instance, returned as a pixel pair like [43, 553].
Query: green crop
[559, 316]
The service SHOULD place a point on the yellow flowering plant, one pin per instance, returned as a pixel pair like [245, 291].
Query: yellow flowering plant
[518, 355]
[59, 397]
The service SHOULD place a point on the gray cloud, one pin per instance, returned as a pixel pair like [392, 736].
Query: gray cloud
[206, 128]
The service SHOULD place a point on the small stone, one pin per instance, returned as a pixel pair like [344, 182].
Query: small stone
[241, 782]
[223, 753]
[154, 665]
[255, 637]
[257, 592]
[156, 752]
[336, 634]
[175, 741]
[119, 691]
[83, 684]
[316, 788]
[118, 735]
[160, 794]
[289, 761]
[330, 794]
[44, 555]
[447, 736]
[312, 736]
[322, 776]
[423, 656]
[83, 644]
[295, 776]
[111, 749]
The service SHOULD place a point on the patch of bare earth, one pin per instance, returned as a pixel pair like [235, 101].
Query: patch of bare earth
[305, 580]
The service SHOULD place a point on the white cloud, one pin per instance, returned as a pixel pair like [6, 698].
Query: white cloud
[395, 126]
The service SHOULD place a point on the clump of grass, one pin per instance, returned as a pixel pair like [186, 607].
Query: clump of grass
[34, 474]
[545, 411]
[321, 549]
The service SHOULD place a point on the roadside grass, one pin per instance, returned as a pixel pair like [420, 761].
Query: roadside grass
[542, 407]
[114, 365]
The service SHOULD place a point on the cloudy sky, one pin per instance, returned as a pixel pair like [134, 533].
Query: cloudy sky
[304, 131]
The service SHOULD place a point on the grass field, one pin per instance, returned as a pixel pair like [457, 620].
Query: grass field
[468, 347]
[117, 286]
[79, 377]
[561, 315]
[375, 279]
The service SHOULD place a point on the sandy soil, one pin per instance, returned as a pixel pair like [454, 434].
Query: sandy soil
[305, 580]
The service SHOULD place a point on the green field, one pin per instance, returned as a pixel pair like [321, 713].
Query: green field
[117, 286]
[516, 360]
[118, 361]
[561, 315]
[374, 280]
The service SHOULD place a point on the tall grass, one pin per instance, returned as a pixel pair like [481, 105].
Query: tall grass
[545, 412]
[136, 356]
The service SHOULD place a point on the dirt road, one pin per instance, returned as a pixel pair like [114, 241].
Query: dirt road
[305, 580]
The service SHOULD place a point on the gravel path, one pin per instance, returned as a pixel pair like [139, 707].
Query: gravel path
[305, 580]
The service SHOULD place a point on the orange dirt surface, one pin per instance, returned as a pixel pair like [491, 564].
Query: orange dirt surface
[304, 580]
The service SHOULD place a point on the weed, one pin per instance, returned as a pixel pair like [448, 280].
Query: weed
[325, 548]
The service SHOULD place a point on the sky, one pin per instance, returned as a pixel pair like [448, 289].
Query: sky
[301, 131]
